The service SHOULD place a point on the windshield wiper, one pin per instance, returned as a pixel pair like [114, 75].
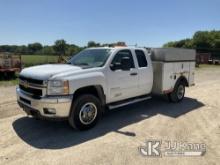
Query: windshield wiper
[81, 64]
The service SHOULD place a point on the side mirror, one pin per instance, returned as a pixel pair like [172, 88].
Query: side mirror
[125, 63]
[115, 66]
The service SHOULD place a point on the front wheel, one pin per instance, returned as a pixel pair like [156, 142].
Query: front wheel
[85, 112]
[178, 93]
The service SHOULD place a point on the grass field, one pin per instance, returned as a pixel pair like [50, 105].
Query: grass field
[11, 82]
[30, 60]
[27, 61]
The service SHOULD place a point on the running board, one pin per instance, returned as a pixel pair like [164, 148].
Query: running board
[136, 100]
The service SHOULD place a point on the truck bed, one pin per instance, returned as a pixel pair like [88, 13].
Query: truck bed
[168, 65]
[172, 54]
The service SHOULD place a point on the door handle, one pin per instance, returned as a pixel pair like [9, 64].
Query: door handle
[134, 74]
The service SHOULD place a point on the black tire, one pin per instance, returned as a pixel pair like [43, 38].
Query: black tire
[35, 118]
[76, 117]
[178, 93]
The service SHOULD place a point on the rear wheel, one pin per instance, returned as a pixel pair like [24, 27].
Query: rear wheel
[85, 112]
[178, 93]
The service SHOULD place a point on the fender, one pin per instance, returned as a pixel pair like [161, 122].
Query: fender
[101, 94]
[183, 79]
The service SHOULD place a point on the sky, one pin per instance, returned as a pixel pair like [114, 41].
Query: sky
[142, 22]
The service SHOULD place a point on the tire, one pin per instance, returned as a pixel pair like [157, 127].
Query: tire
[85, 112]
[35, 118]
[178, 93]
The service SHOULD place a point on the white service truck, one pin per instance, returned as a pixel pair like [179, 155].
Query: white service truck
[103, 78]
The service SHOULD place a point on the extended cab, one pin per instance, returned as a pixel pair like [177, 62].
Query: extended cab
[103, 78]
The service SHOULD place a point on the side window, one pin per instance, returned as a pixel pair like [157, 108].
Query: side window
[142, 61]
[117, 59]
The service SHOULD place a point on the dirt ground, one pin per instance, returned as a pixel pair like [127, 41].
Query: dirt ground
[117, 137]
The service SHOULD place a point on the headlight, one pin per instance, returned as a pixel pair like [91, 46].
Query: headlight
[57, 87]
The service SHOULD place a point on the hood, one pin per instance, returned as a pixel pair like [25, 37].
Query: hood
[44, 72]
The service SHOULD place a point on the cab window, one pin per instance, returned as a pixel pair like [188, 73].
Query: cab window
[141, 58]
[116, 62]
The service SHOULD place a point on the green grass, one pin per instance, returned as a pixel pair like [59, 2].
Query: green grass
[27, 61]
[11, 82]
[31, 60]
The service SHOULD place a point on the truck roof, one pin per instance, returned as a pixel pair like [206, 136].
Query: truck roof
[116, 48]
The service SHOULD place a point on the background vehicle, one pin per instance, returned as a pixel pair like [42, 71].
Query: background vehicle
[9, 64]
[97, 78]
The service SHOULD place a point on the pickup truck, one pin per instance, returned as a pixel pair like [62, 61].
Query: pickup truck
[104, 78]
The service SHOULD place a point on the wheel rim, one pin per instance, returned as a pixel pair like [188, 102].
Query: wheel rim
[180, 92]
[88, 113]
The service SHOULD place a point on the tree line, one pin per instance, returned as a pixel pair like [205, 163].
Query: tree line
[60, 47]
[201, 41]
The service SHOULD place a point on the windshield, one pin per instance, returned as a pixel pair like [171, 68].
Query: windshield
[90, 58]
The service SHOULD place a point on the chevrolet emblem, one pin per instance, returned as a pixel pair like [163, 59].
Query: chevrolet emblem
[25, 84]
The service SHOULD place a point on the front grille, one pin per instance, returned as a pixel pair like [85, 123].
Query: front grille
[32, 91]
[25, 100]
[33, 87]
[32, 81]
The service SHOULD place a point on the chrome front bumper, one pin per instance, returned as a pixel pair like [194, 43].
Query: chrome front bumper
[60, 104]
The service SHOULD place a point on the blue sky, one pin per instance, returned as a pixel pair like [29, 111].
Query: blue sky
[142, 22]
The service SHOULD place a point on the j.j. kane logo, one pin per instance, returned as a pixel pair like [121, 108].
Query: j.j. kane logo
[157, 148]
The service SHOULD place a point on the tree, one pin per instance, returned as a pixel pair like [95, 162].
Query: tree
[21, 49]
[120, 43]
[8, 48]
[34, 47]
[60, 47]
[93, 44]
[188, 43]
[202, 39]
[217, 44]
[48, 50]
[72, 50]
[170, 44]
[185, 43]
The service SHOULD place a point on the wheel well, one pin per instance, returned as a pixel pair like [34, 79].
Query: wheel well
[94, 90]
[184, 80]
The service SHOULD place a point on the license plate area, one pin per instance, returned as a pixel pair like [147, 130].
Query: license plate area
[26, 101]
[30, 111]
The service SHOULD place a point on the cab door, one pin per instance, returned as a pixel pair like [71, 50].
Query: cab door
[145, 74]
[122, 84]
